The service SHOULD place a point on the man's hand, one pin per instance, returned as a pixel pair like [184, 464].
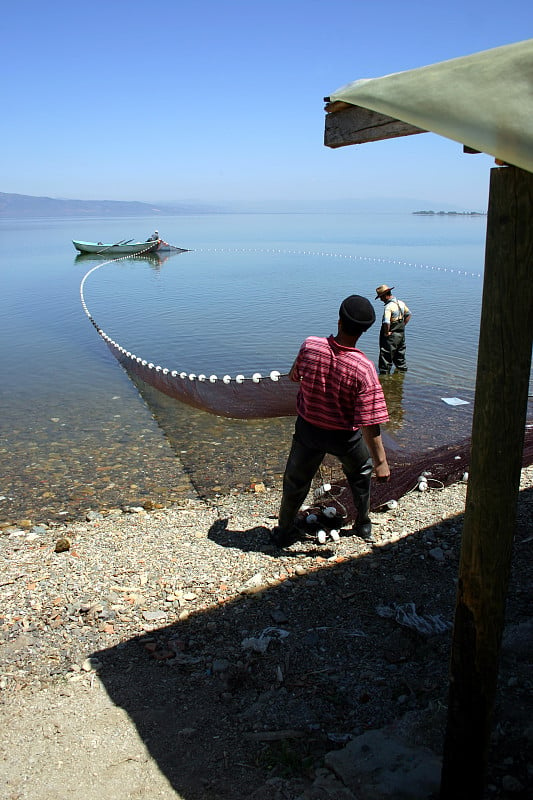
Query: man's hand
[382, 473]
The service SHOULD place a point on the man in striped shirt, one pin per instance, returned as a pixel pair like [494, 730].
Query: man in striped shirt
[340, 406]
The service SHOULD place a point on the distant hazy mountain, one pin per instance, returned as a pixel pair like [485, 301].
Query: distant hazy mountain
[23, 205]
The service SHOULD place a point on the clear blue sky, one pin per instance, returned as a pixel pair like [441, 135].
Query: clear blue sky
[221, 103]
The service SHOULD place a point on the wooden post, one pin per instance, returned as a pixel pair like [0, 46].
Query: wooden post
[504, 363]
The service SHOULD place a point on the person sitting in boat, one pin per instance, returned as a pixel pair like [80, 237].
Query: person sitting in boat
[154, 237]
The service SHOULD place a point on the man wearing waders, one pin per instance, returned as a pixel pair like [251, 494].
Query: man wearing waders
[396, 315]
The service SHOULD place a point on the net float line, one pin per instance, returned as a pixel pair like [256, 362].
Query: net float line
[236, 397]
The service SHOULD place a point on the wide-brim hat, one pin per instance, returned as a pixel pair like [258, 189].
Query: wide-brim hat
[383, 289]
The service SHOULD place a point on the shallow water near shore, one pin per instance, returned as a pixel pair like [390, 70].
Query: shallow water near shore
[78, 433]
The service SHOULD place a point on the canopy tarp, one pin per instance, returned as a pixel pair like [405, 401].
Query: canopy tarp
[483, 101]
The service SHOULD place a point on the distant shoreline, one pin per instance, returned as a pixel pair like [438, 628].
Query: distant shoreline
[19, 206]
[450, 213]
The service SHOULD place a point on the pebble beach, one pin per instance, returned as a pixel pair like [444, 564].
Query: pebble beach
[255, 642]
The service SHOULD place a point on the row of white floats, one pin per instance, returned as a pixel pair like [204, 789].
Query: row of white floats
[372, 259]
[256, 377]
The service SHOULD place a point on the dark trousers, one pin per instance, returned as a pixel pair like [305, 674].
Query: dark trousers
[392, 350]
[309, 446]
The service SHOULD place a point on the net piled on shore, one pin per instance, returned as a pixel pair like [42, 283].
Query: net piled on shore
[440, 467]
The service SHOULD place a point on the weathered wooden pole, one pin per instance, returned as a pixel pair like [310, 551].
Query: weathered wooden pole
[504, 363]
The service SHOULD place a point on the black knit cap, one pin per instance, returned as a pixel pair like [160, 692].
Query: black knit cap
[356, 314]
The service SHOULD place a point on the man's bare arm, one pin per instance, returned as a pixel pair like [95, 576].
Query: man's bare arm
[372, 437]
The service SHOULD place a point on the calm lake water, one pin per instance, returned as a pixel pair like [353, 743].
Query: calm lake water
[78, 433]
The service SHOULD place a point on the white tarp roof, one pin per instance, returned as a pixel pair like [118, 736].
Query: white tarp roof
[484, 101]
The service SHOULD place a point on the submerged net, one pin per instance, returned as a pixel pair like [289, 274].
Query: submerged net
[238, 397]
[235, 397]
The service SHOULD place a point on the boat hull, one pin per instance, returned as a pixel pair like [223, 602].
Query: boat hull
[133, 248]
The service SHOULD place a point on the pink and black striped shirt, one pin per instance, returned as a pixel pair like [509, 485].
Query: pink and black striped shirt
[339, 386]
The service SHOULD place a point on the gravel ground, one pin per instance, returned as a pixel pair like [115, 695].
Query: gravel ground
[175, 653]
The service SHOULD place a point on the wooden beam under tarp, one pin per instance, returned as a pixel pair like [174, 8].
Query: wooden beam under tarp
[347, 124]
[501, 397]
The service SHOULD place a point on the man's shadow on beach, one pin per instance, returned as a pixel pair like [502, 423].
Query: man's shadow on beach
[258, 540]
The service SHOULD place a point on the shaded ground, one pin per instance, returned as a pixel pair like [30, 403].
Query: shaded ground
[173, 703]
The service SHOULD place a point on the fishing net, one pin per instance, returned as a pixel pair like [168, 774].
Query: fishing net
[438, 468]
[274, 395]
[236, 397]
